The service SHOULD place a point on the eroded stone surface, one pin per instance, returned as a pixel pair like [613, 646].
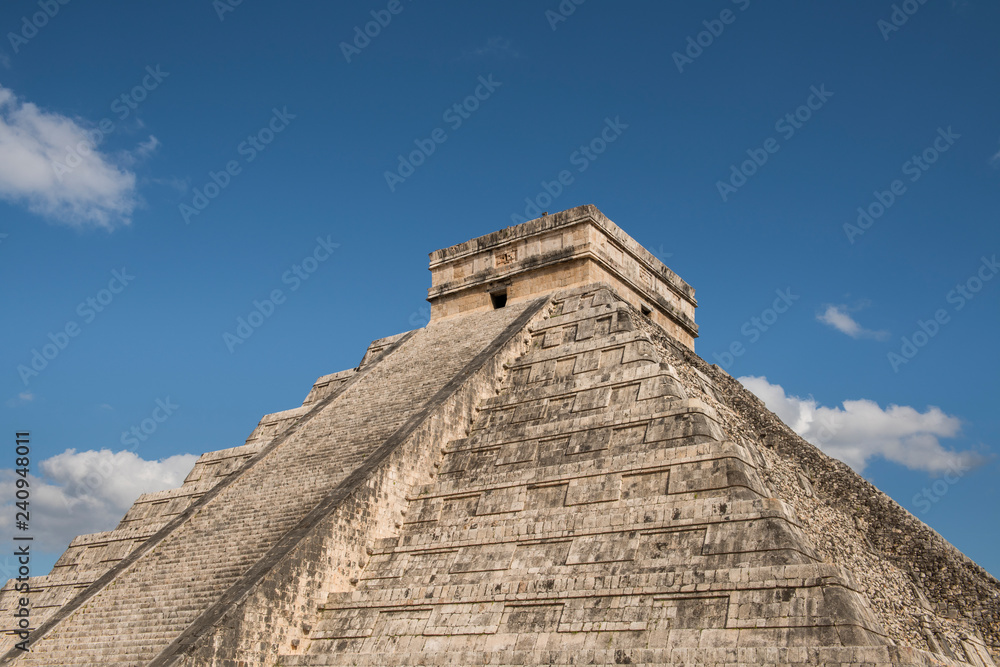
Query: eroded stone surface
[560, 481]
[567, 249]
[599, 507]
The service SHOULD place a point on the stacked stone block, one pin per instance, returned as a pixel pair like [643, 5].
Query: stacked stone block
[152, 598]
[91, 556]
[558, 481]
[596, 512]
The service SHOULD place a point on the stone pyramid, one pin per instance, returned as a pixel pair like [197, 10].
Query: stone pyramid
[545, 474]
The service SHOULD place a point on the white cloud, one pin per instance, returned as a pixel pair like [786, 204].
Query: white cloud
[840, 319]
[142, 151]
[995, 160]
[52, 164]
[4, 60]
[861, 430]
[88, 492]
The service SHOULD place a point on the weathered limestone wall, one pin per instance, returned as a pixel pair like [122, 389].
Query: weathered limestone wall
[561, 481]
[664, 311]
[571, 248]
[199, 560]
[925, 592]
[277, 612]
[328, 384]
[599, 513]
[525, 288]
[89, 557]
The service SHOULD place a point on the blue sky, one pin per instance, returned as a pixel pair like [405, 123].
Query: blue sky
[165, 165]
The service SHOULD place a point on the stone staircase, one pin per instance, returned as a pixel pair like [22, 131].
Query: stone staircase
[153, 598]
[90, 556]
[559, 481]
[596, 514]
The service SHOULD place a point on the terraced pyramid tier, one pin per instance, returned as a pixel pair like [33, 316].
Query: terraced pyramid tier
[595, 506]
[224, 540]
[546, 474]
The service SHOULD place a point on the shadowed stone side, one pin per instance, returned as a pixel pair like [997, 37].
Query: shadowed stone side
[926, 593]
[559, 480]
[150, 598]
[600, 512]
[273, 605]
[91, 558]
[572, 248]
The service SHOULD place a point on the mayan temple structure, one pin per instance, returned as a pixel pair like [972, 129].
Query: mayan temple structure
[545, 474]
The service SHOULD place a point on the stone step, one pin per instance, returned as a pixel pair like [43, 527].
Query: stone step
[175, 581]
[703, 655]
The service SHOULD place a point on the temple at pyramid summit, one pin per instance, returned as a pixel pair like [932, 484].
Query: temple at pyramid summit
[545, 474]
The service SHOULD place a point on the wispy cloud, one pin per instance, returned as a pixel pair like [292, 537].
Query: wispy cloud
[861, 430]
[86, 492]
[95, 192]
[181, 185]
[143, 150]
[838, 317]
[149, 146]
[995, 160]
[496, 47]
[4, 60]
